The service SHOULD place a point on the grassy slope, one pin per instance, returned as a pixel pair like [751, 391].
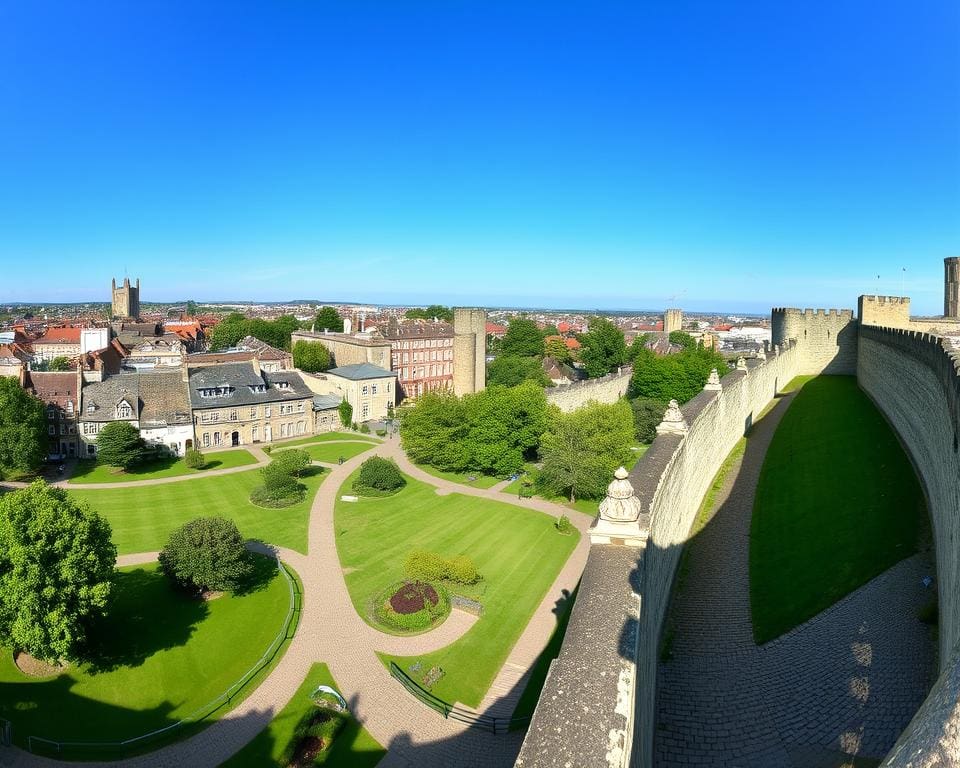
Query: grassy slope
[142, 518]
[331, 452]
[92, 472]
[327, 437]
[837, 503]
[479, 481]
[162, 656]
[518, 551]
[352, 748]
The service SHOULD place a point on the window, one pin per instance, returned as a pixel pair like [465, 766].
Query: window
[364, 390]
[373, 389]
[253, 412]
[51, 430]
[283, 430]
[389, 404]
[233, 415]
[255, 433]
[300, 427]
[266, 411]
[365, 412]
[63, 429]
[50, 413]
[91, 450]
[216, 438]
[206, 439]
[123, 410]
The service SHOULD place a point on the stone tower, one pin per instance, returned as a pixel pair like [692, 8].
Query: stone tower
[951, 287]
[672, 320]
[469, 350]
[125, 300]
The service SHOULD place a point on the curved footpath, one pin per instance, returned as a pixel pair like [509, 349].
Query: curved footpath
[836, 687]
[331, 631]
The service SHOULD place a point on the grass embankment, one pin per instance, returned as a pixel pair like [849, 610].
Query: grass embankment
[93, 472]
[327, 437]
[837, 503]
[353, 747]
[518, 551]
[158, 657]
[143, 517]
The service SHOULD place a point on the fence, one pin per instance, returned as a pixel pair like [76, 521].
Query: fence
[5, 733]
[39, 745]
[495, 725]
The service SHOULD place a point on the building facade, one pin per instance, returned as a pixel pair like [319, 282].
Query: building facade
[116, 398]
[125, 300]
[421, 354]
[350, 349]
[370, 390]
[57, 342]
[59, 391]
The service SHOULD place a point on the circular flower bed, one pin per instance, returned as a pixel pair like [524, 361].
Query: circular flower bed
[408, 607]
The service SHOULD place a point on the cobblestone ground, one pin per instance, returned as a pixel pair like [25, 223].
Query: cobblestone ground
[844, 684]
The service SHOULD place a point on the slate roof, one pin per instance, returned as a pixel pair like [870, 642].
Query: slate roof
[326, 402]
[163, 398]
[239, 378]
[361, 371]
[104, 396]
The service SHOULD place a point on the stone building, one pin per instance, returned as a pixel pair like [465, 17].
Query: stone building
[672, 320]
[59, 390]
[350, 348]
[125, 300]
[116, 398]
[469, 350]
[165, 417]
[369, 389]
[951, 287]
[248, 348]
[239, 404]
[57, 342]
[165, 351]
[421, 356]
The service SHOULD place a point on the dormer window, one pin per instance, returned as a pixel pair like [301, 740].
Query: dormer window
[124, 411]
[91, 408]
[258, 387]
[283, 385]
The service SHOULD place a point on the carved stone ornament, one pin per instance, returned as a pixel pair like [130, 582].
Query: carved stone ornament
[673, 422]
[762, 353]
[619, 521]
[741, 363]
[713, 382]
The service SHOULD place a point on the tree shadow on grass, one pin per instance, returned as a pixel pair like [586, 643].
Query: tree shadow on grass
[263, 571]
[147, 615]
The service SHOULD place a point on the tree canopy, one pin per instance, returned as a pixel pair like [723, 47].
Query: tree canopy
[311, 356]
[119, 445]
[235, 326]
[59, 363]
[22, 428]
[328, 319]
[511, 370]
[56, 571]
[647, 415]
[558, 350]
[207, 553]
[433, 311]
[580, 450]
[602, 348]
[674, 377]
[522, 339]
[491, 432]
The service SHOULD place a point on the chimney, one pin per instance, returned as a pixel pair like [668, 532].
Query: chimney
[256, 366]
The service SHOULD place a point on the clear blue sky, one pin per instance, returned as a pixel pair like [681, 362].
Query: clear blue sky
[736, 155]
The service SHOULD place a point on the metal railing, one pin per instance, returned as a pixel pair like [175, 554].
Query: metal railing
[5, 733]
[40, 745]
[495, 725]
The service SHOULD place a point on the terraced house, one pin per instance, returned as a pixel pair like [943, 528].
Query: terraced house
[239, 403]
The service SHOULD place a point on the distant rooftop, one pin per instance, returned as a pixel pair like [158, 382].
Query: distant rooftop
[360, 371]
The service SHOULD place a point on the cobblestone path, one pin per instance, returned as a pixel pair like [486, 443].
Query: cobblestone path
[844, 684]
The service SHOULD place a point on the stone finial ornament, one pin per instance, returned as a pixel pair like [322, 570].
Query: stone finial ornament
[761, 354]
[619, 521]
[713, 382]
[673, 422]
[741, 363]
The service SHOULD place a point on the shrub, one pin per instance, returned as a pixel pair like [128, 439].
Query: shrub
[381, 433]
[424, 566]
[268, 449]
[207, 553]
[274, 498]
[315, 726]
[293, 461]
[119, 445]
[563, 525]
[380, 475]
[462, 570]
[194, 459]
[346, 413]
[430, 615]
[365, 429]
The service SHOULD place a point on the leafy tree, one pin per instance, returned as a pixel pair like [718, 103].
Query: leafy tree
[206, 554]
[293, 461]
[119, 445]
[602, 348]
[557, 349]
[59, 363]
[235, 326]
[346, 412]
[638, 346]
[191, 308]
[311, 356]
[647, 415]
[56, 571]
[511, 370]
[379, 474]
[228, 331]
[194, 458]
[433, 311]
[278, 482]
[581, 450]
[682, 339]
[550, 330]
[22, 428]
[680, 376]
[522, 339]
[328, 319]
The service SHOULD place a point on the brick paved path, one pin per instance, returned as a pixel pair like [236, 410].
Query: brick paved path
[844, 683]
[331, 631]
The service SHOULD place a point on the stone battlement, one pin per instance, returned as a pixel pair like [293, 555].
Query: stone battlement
[606, 389]
[792, 311]
[886, 299]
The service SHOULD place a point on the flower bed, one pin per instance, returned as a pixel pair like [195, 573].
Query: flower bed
[410, 607]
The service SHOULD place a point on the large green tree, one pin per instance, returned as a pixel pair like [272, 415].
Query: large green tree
[511, 370]
[207, 553]
[677, 377]
[433, 311]
[647, 415]
[523, 339]
[59, 363]
[228, 331]
[56, 571]
[22, 428]
[328, 319]
[235, 326]
[557, 349]
[119, 445]
[311, 356]
[580, 450]
[602, 348]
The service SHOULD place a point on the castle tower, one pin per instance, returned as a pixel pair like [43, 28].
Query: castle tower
[672, 320]
[469, 350]
[951, 287]
[125, 300]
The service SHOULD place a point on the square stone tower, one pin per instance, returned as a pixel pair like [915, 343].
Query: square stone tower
[125, 300]
[469, 350]
[672, 320]
[951, 287]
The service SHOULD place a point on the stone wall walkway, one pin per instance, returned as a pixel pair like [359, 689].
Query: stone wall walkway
[331, 631]
[838, 686]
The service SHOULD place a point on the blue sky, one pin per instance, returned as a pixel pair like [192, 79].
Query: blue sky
[712, 155]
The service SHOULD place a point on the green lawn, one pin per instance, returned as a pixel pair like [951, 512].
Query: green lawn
[158, 657]
[518, 551]
[142, 518]
[479, 481]
[353, 747]
[93, 472]
[837, 503]
[331, 452]
[326, 437]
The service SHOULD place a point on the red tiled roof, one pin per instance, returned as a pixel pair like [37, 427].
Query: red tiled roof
[563, 326]
[60, 336]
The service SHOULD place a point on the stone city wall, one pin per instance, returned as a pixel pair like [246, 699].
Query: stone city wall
[827, 338]
[598, 704]
[915, 382]
[608, 389]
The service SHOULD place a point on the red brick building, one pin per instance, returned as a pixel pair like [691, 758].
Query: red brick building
[421, 355]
